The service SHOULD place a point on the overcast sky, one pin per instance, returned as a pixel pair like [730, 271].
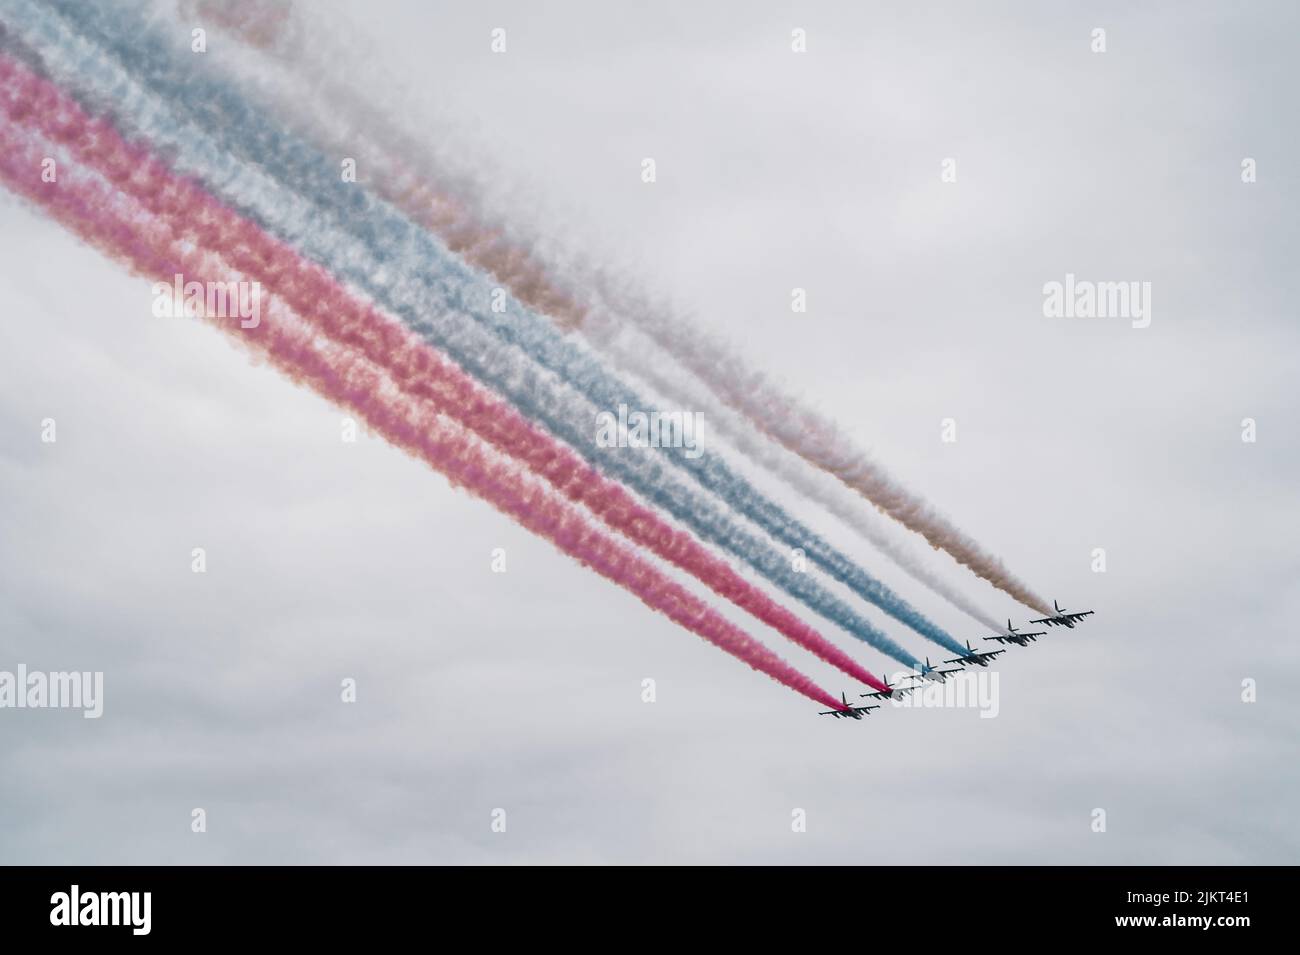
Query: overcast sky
[523, 691]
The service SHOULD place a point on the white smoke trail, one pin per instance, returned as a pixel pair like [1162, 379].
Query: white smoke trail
[812, 483]
[804, 432]
[456, 209]
[262, 197]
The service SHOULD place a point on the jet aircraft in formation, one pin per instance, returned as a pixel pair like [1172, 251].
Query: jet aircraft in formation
[849, 712]
[972, 657]
[1062, 618]
[1015, 636]
[979, 658]
[891, 690]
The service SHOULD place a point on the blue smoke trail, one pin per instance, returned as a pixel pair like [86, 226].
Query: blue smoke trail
[390, 235]
[385, 235]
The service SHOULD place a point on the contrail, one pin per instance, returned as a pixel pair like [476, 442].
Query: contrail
[419, 370]
[462, 222]
[440, 321]
[123, 230]
[812, 484]
[814, 437]
[413, 253]
[336, 116]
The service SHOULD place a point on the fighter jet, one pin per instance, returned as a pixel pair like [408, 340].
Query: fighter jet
[928, 672]
[980, 658]
[849, 712]
[1015, 636]
[1062, 618]
[892, 690]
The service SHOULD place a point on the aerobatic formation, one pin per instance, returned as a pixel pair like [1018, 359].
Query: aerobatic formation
[387, 284]
[928, 673]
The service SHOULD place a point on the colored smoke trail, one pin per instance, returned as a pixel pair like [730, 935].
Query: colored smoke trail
[118, 226]
[468, 230]
[811, 483]
[399, 247]
[812, 436]
[336, 118]
[439, 319]
[317, 298]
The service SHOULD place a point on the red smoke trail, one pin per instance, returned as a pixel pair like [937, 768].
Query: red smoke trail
[404, 173]
[418, 369]
[147, 247]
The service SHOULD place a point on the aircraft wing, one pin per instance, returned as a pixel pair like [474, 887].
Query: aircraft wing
[973, 659]
[847, 714]
[1080, 615]
[942, 673]
[896, 691]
